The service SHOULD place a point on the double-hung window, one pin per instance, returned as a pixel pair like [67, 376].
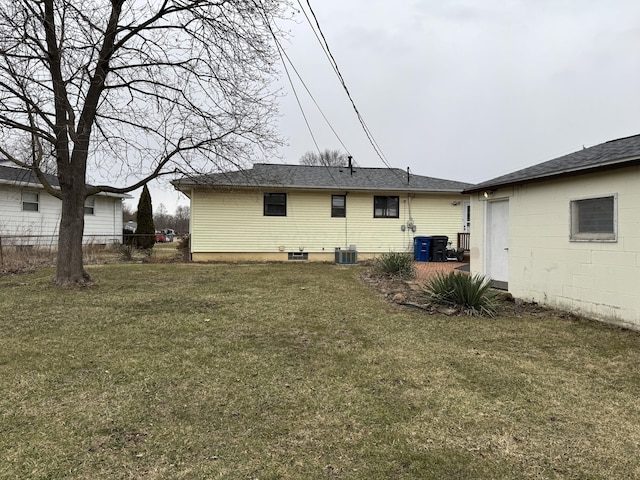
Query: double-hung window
[594, 219]
[339, 206]
[386, 207]
[275, 204]
[30, 202]
[90, 206]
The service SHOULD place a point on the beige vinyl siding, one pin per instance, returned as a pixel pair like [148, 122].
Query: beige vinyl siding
[234, 222]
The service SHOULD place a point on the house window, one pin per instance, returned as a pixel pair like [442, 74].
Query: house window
[594, 219]
[89, 206]
[30, 202]
[386, 207]
[275, 204]
[338, 206]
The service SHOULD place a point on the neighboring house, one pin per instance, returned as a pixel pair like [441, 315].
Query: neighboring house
[298, 212]
[566, 233]
[28, 211]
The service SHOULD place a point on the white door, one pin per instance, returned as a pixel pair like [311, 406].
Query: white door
[466, 216]
[498, 240]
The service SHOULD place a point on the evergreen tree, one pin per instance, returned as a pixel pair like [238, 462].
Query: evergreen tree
[146, 231]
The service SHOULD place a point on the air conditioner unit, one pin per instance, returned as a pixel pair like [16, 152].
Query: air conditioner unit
[346, 257]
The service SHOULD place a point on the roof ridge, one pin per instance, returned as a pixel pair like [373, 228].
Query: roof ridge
[606, 155]
[617, 140]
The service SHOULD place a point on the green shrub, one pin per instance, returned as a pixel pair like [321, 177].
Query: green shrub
[473, 294]
[395, 264]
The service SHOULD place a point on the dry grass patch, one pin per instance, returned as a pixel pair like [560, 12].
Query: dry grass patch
[300, 371]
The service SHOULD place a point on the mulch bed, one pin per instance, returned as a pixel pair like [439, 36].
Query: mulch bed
[410, 294]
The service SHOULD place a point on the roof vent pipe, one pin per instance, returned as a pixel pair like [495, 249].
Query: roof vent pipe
[408, 175]
[350, 164]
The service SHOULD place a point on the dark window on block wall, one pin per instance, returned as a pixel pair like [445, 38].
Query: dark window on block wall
[594, 219]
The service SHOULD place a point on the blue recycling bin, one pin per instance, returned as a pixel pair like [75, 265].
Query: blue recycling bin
[421, 249]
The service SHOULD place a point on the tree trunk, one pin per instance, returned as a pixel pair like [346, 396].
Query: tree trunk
[70, 271]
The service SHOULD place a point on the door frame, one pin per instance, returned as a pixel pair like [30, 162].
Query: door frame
[466, 216]
[502, 283]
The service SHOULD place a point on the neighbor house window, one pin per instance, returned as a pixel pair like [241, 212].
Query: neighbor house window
[338, 205]
[90, 206]
[275, 204]
[594, 219]
[386, 207]
[30, 202]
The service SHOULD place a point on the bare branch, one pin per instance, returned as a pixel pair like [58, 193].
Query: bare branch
[135, 90]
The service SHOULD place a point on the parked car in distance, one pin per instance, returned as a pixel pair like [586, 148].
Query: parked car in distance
[169, 233]
[165, 235]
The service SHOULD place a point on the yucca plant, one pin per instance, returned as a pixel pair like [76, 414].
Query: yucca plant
[395, 264]
[472, 294]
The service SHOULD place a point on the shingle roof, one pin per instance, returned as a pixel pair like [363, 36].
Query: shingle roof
[612, 154]
[267, 175]
[23, 176]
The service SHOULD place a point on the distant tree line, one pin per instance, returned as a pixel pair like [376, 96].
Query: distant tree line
[162, 219]
[326, 158]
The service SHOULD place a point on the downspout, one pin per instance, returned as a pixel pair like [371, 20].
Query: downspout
[410, 224]
[191, 203]
[346, 218]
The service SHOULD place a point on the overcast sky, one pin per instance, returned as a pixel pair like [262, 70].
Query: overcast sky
[463, 90]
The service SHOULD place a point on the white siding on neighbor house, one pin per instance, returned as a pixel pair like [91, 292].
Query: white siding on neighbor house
[105, 225]
[596, 279]
[15, 221]
[106, 221]
[234, 222]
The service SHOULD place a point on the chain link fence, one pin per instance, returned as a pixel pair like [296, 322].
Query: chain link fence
[21, 253]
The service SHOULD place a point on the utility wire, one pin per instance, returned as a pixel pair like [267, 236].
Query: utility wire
[295, 93]
[313, 99]
[325, 46]
[283, 55]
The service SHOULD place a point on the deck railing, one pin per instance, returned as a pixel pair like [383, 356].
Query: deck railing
[464, 240]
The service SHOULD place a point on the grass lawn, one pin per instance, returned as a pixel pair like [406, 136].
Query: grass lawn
[301, 371]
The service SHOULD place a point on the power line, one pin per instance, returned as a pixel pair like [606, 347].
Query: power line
[283, 55]
[313, 98]
[325, 47]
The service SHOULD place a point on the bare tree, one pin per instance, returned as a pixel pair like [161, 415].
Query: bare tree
[162, 218]
[128, 213]
[327, 157]
[182, 215]
[121, 89]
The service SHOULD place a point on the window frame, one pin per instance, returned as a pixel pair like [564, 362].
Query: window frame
[575, 235]
[25, 202]
[90, 206]
[336, 210]
[385, 209]
[270, 208]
